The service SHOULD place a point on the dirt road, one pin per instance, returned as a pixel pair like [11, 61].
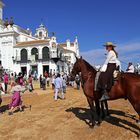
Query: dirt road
[66, 119]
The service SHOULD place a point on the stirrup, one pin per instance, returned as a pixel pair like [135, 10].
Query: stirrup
[104, 97]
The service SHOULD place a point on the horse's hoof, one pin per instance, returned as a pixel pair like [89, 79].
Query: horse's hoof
[108, 117]
[93, 126]
[98, 123]
[138, 121]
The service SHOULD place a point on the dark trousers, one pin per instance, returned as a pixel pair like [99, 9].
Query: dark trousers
[53, 86]
[5, 87]
[105, 81]
[0, 100]
[78, 85]
[40, 84]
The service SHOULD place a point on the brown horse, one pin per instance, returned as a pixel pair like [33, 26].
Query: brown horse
[127, 87]
[88, 74]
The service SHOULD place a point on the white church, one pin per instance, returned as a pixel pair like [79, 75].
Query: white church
[21, 51]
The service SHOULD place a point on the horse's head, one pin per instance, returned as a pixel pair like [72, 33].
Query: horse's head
[77, 66]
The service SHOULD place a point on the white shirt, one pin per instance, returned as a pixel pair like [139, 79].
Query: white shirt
[118, 63]
[18, 88]
[111, 57]
[58, 83]
[131, 69]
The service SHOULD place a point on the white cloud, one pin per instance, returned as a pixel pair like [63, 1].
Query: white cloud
[95, 56]
[127, 52]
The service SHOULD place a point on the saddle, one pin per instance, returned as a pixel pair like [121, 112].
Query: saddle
[116, 77]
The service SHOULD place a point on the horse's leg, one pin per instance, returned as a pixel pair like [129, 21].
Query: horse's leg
[102, 108]
[137, 109]
[106, 106]
[97, 104]
[139, 124]
[91, 104]
[139, 121]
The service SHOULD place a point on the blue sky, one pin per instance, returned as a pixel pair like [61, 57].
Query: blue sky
[93, 21]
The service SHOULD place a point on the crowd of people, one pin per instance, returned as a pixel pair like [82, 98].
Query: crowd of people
[15, 84]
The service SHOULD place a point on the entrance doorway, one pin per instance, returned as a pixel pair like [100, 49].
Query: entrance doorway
[24, 70]
[34, 70]
[46, 68]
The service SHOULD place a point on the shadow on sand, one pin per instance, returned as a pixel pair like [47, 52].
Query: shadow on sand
[84, 115]
[4, 108]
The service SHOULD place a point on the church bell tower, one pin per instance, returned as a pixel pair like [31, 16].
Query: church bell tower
[1, 11]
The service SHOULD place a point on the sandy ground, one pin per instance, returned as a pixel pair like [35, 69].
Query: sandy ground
[66, 119]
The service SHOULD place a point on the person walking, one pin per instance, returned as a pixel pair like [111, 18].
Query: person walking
[44, 83]
[72, 80]
[58, 87]
[63, 85]
[1, 91]
[77, 81]
[52, 81]
[6, 82]
[30, 81]
[16, 97]
[40, 80]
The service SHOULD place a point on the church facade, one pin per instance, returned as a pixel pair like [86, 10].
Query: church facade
[21, 51]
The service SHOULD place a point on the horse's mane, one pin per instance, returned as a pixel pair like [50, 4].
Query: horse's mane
[91, 68]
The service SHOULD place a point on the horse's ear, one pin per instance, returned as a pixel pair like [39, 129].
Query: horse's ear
[76, 57]
[81, 57]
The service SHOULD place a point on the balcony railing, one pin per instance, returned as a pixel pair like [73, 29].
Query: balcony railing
[30, 59]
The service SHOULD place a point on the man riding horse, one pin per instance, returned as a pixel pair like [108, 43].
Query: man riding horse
[105, 81]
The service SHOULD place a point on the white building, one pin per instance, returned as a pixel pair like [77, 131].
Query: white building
[20, 51]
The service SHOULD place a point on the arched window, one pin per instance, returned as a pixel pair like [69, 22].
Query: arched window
[34, 51]
[23, 54]
[45, 54]
[40, 34]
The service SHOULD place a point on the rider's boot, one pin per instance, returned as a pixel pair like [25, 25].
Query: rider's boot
[105, 96]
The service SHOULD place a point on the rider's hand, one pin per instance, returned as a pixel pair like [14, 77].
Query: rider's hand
[103, 68]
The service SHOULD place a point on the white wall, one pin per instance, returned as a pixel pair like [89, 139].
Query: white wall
[7, 43]
[24, 37]
[40, 69]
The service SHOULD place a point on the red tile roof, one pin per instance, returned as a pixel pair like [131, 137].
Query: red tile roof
[63, 45]
[72, 44]
[28, 43]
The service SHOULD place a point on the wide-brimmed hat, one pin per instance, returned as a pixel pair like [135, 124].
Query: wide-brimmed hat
[109, 44]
